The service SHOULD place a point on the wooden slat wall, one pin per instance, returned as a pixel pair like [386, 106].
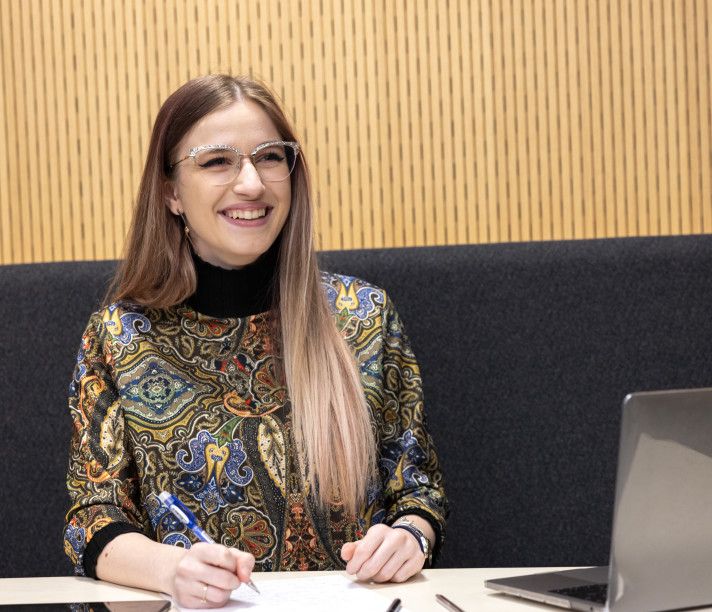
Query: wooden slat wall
[425, 121]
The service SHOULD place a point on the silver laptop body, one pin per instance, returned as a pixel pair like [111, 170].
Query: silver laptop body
[661, 545]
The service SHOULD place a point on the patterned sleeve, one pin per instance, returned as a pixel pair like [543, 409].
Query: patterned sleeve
[409, 467]
[101, 482]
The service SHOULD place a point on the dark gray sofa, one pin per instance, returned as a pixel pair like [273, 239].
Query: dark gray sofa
[526, 350]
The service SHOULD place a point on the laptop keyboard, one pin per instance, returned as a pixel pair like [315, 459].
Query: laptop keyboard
[597, 593]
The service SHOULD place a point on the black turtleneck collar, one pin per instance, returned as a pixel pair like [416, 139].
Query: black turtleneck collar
[223, 293]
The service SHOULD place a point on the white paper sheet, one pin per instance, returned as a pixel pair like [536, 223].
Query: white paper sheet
[314, 594]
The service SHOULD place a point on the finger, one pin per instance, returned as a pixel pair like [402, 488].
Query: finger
[219, 578]
[408, 569]
[347, 550]
[244, 564]
[209, 568]
[397, 547]
[215, 554]
[198, 594]
[372, 567]
[393, 565]
[214, 595]
[365, 548]
[197, 597]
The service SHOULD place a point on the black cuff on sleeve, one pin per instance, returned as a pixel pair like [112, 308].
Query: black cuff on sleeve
[100, 539]
[433, 523]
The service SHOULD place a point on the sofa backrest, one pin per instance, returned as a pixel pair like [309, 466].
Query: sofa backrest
[526, 350]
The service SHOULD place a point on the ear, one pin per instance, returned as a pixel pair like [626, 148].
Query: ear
[171, 198]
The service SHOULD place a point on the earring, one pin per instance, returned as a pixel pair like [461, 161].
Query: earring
[186, 230]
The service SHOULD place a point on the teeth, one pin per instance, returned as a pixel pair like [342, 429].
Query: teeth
[246, 214]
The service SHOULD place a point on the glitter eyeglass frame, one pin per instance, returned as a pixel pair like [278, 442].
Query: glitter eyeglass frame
[217, 147]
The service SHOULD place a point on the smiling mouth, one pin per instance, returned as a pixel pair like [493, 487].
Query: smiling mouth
[246, 215]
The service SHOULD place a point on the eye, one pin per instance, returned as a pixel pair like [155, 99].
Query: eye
[216, 160]
[271, 156]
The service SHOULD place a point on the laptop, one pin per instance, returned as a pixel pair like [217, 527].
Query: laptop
[661, 544]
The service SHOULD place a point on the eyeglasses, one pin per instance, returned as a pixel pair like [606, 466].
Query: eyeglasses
[220, 164]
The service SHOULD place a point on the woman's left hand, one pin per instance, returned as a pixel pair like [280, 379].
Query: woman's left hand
[384, 554]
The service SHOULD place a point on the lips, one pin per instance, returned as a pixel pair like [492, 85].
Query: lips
[245, 213]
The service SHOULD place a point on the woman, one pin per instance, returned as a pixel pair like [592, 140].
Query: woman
[282, 405]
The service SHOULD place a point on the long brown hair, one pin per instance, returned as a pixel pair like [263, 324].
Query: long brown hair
[332, 426]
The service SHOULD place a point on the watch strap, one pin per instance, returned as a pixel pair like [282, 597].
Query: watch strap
[420, 537]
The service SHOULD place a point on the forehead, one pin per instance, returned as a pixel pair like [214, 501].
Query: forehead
[243, 125]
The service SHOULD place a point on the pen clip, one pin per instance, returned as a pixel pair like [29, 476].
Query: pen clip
[174, 505]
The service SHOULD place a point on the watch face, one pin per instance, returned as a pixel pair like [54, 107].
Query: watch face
[426, 546]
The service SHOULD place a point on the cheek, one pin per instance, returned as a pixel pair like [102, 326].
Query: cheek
[287, 208]
[196, 197]
[287, 196]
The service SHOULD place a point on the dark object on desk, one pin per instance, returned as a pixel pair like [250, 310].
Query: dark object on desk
[447, 604]
[661, 538]
[395, 606]
[526, 351]
[92, 606]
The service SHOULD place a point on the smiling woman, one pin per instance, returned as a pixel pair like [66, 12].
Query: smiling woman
[234, 210]
[280, 404]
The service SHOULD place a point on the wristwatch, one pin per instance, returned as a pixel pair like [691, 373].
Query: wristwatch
[414, 530]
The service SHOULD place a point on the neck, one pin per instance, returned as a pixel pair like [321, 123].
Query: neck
[241, 292]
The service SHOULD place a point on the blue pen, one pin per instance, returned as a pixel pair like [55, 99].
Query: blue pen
[186, 517]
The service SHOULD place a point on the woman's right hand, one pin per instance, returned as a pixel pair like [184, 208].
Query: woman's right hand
[206, 575]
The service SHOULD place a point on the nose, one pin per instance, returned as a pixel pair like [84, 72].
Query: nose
[248, 182]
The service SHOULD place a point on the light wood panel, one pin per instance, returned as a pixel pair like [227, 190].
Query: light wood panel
[425, 121]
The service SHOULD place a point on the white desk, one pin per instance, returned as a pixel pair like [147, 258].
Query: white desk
[465, 587]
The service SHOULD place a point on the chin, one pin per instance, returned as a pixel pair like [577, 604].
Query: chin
[245, 259]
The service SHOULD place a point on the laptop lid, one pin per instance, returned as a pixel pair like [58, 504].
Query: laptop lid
[661, 550]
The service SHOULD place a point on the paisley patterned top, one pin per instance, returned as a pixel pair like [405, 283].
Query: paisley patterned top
[179, 401]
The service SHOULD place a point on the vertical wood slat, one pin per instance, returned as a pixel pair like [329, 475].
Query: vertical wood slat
[509, 179]
[691, 110]
[380, 132]
[552, 152]
[24, 142]
[442, 154]
[38, 132]
[525, 206]
[394, 216]
[465, 134]
[637, 204]
[344, 146]
[563, 129]
[58, 136]
[425, 188]
[529, 174]
[403, 171]
[609, 152]
[425, 123]
[649, 220]
[457, 146]
[90, 154]
[682, 110]
[361, 140]
[659, 180]
[701, 17]
[589, 95]
[6, 136]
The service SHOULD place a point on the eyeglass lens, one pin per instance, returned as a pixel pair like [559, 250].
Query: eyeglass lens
[221, 166]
